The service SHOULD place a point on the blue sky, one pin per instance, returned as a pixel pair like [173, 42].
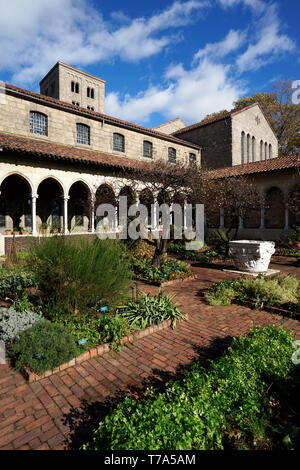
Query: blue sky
[160, 59]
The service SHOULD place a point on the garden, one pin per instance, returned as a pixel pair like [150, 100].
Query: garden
[245, 400]
[64, 297]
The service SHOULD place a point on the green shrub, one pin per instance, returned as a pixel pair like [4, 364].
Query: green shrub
[168, 269]
[14, 282]
[44, 346]
[278, 290]
[209, 406]
[84, 326]
[13, 323]
[77, 275]
[148, 311]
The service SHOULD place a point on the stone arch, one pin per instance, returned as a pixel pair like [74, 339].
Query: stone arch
[80, 206]
[50, 205]
[16, 192]
[52, 177]
[105, 194]
[275, 208]
[147, 199]
[17, 173]
[293, 204]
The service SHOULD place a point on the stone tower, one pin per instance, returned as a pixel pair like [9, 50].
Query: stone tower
[73, 86]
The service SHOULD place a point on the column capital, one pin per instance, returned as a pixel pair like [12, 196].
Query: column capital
[66, 198]
[34, 196]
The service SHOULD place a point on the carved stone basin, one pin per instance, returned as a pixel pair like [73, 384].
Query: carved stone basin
[252, 256]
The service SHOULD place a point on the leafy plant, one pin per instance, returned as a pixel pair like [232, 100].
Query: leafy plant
[44, 346]
[227, 403]
[143, 268]
[13, 323]
[278, 290]
[79, 275]
[148, 311]
[115, 329]
[14, 282]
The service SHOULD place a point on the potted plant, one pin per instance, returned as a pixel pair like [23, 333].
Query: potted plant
[23, 231]
[8, 232]
[16, 231]
[44, 228]
[55, 229]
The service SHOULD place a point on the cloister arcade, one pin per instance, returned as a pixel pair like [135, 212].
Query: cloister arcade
[52, 205]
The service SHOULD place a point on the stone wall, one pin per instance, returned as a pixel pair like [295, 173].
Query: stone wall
[215, 142]
[14, 119]
[171, 126]
[253, 123]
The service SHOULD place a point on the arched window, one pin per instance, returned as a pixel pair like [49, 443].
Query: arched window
[83, 134]
[77, 88]
[147, 149]
[270, 151]
[92, 93]
[253, 149]
[88, 92]
[172, 155]
[261, 150]
[73, 87]
[192, 159]
[266, 151]
[38, 123]
[248, 148]
[243, 147]
[119, 143]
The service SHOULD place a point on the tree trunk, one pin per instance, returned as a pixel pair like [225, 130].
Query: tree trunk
[160, 251]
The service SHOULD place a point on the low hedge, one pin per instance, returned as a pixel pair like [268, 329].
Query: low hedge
[209, 407]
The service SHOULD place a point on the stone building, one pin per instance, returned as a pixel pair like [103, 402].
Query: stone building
[59, 153]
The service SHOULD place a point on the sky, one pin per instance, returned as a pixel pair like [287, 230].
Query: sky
[161, 59]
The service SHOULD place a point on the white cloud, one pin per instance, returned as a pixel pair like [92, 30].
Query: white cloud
[34, 36]
[257, 5]
[190, 94]
[270, 43]
[233, 41]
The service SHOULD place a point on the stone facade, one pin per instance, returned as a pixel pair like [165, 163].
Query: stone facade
[171, 126]
[235, 139]
[256, 129]
[58, 84]
[14, 119]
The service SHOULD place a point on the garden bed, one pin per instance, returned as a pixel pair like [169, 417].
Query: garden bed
[95, 352]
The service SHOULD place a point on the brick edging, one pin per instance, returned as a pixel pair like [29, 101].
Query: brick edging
[97, 351]
[165, 284]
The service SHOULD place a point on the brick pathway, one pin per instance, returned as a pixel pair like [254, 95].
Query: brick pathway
[59, 412]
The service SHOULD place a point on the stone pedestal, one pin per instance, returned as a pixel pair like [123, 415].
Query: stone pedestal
[252, 256]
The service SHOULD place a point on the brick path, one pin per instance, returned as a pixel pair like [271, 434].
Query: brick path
[59, 412]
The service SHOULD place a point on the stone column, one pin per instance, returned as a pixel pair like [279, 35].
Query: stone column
[92, 216]
[66, 199]
[116, 227]
[33, 214]
[241, 224]
[222, 218]
[184, 215]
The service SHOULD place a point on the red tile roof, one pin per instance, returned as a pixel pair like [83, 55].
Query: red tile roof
[47, 100]
[265, 166]
[41, 148]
